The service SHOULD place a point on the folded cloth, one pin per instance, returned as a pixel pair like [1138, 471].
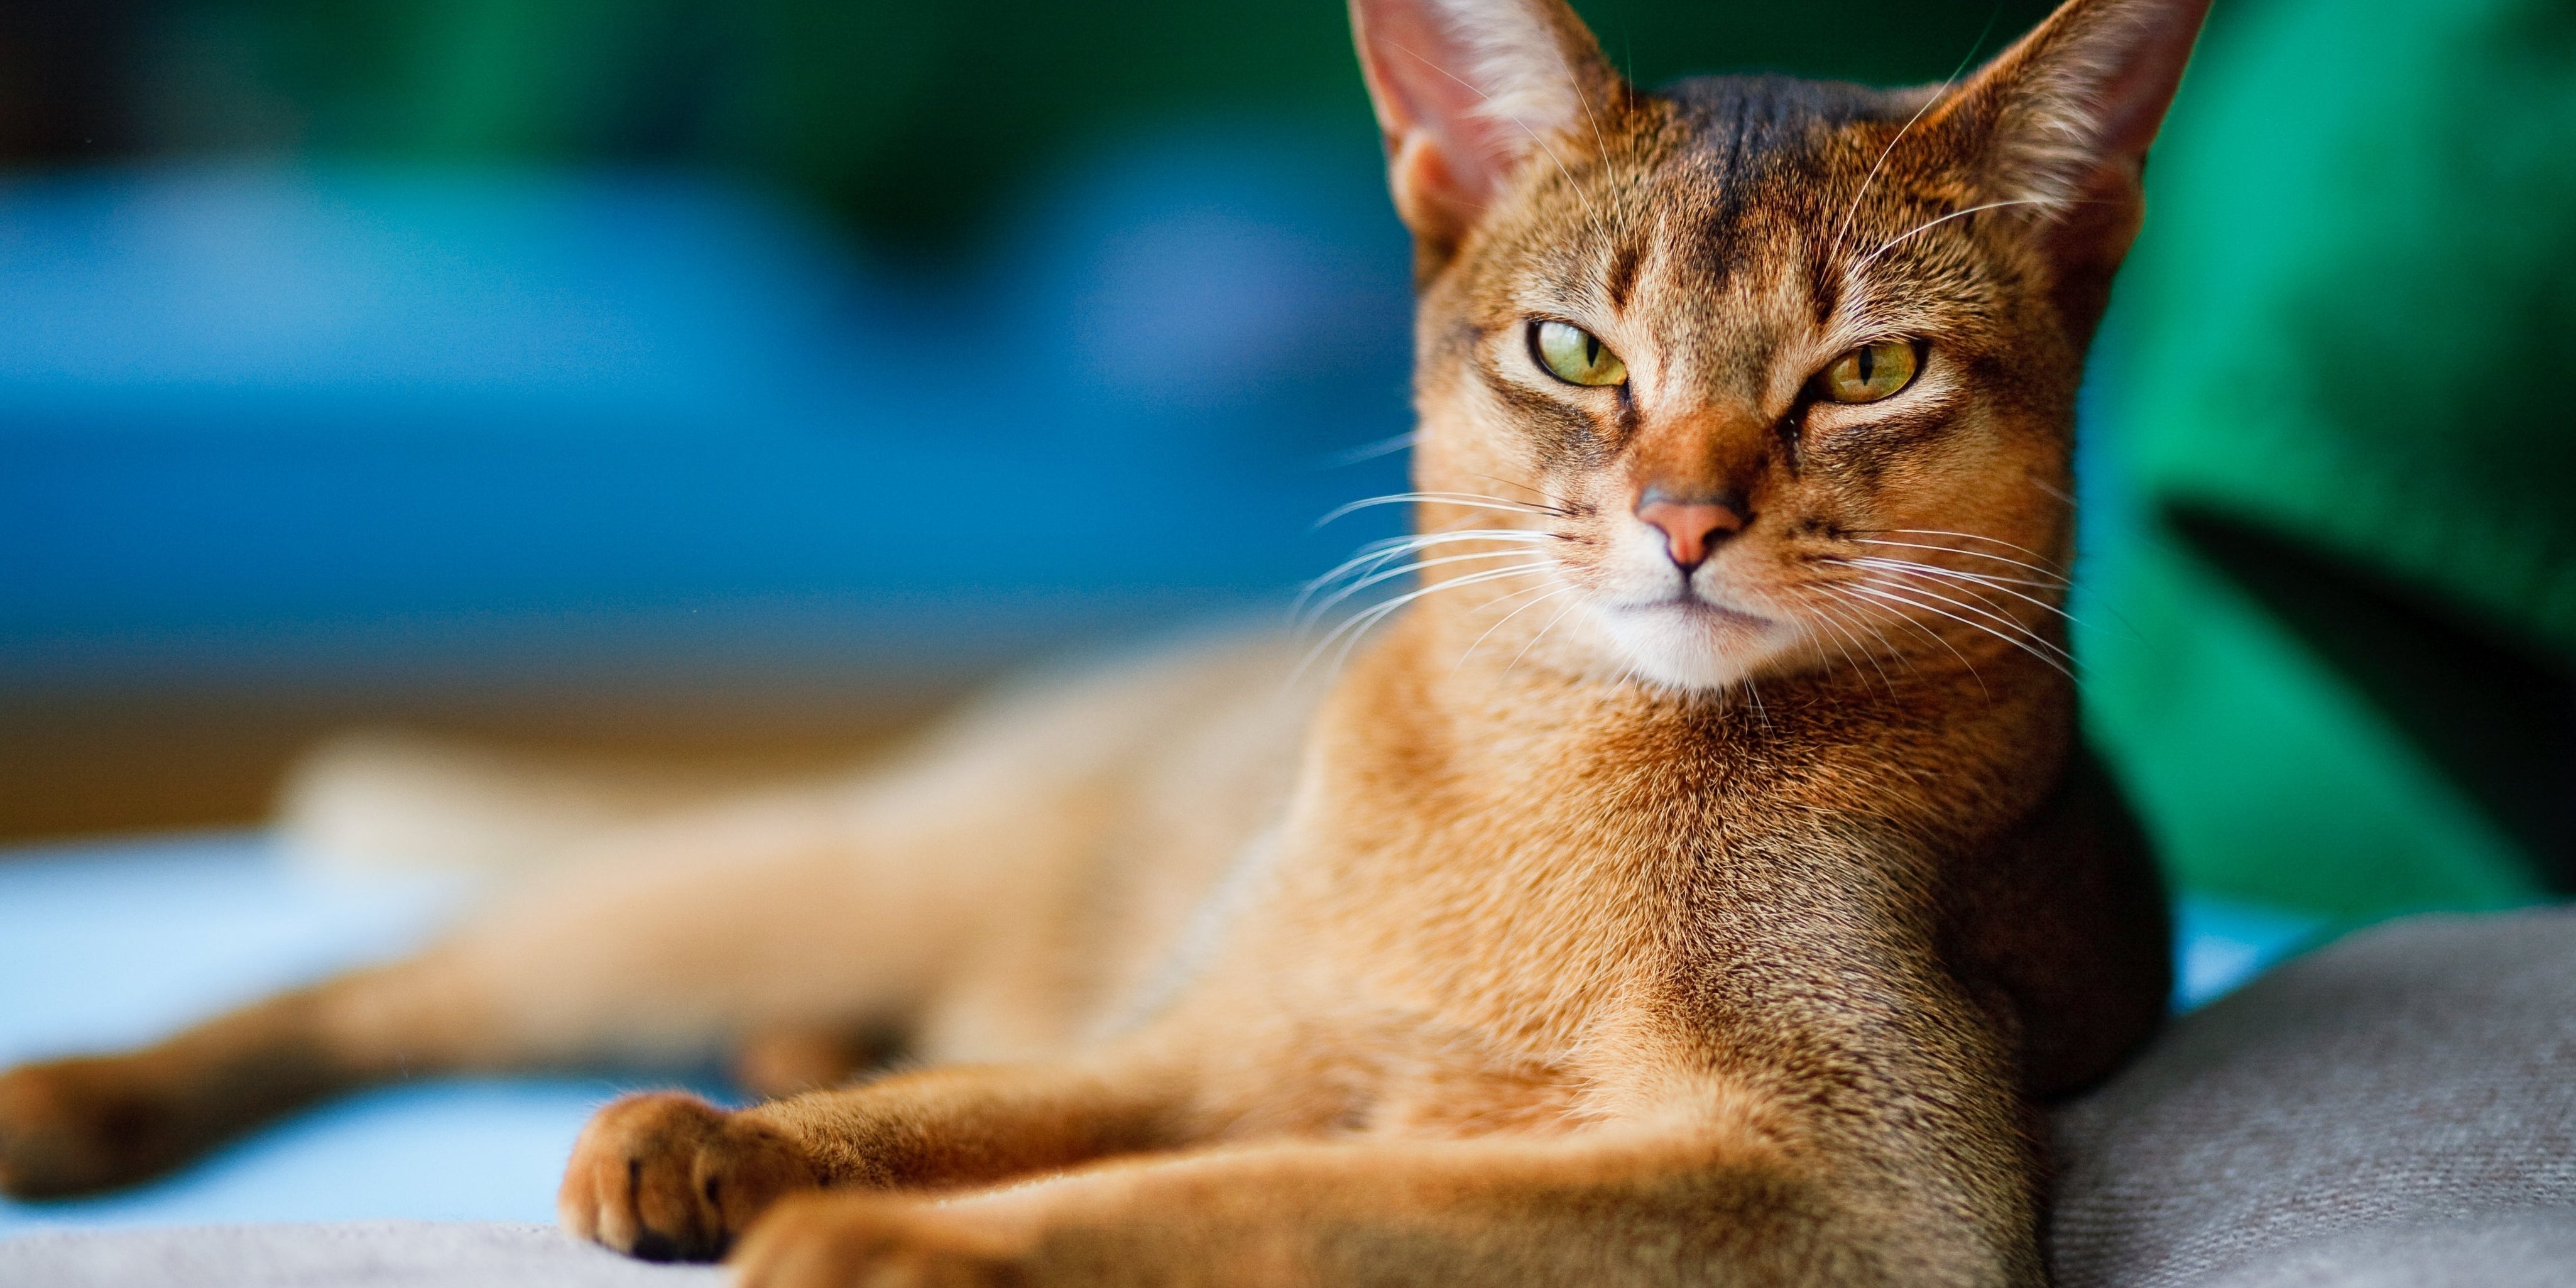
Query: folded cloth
[2329, 553]
[2396, 1108]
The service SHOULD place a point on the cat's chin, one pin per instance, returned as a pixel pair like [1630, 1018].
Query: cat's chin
[1692, 645]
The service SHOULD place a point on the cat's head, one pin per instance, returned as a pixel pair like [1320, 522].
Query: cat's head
[1755, 375]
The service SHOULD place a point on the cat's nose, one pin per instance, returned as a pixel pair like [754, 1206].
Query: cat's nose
[1693, 526]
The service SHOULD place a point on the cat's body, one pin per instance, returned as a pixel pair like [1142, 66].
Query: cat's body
[1719, 921]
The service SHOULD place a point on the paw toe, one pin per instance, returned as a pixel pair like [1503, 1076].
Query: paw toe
[672, 1178]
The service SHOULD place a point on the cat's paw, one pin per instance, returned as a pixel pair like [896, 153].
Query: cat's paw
[77, 1126]
[871, 1241]
[672, 1178]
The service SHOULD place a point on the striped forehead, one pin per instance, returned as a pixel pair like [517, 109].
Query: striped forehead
[1734, 260]
[1719, 283]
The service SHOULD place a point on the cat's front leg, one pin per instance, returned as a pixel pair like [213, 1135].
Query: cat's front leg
[1678, 1206]
[670, 1177]
[836, 1241]
[79, 1125]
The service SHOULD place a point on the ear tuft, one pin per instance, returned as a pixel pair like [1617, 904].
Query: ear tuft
[2059, 126]
[2069, 111]
[1518, 60]
[1467, 90]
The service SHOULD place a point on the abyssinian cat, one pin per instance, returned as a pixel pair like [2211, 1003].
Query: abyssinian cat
[1699, 882]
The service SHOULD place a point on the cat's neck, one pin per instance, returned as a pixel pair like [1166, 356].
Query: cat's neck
[1915, 741]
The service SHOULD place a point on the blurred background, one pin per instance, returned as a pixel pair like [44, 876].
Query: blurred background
[733, 383]
[737, 381]
[720, 381]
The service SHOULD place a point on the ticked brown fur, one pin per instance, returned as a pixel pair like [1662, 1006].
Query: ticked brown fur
[1633, 910]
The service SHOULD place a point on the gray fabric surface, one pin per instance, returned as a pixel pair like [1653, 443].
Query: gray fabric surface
[2532, 1251]
[356, 1254]
[2396, 1109]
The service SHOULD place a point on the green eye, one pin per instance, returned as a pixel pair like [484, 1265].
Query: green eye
[1869, 373]
[1576, 356]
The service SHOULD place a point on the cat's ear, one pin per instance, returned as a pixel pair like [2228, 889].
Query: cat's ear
[2060, 123]
[1466, 90]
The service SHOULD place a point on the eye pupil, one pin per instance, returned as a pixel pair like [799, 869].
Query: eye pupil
[1574, 355]
[1871, 372]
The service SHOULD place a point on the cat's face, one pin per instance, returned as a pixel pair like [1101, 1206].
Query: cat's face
[1752, 397]
[1757, 394]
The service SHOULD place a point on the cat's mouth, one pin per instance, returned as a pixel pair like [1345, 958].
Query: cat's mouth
[1693, 607]
[1690, 640]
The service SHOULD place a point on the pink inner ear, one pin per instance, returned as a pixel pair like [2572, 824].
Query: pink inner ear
[1423, 78]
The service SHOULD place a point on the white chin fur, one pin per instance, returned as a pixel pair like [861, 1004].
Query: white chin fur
[1674, 648]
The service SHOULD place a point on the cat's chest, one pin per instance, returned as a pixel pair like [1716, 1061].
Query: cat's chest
[1539, 867]
[1531, 897]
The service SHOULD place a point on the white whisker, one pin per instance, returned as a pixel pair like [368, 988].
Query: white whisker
[1844, 231]
[1861, 611]
[1842, 633]
[1754, 691]
[2059, 578]
[1966, 536]
[1370, 451]
[1489, 631]
[2000, 585]
[1468, 500]
[1599, 140]
[1918, 627]
[1984, 609]
[1493, 602]
[1898, 595]
[1400, 570]
[1542, 634]
[1376, 555]
[1981, 578]
[1922, 228]
[1358, 624]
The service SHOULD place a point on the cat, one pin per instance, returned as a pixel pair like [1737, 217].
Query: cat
[1698, 880]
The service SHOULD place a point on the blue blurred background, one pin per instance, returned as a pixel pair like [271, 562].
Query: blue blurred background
[362, 423]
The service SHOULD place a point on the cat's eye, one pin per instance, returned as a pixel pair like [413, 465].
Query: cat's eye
[1576, 356]
[1869, 373]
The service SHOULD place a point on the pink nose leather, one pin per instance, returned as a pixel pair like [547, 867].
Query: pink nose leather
[1691, 528]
